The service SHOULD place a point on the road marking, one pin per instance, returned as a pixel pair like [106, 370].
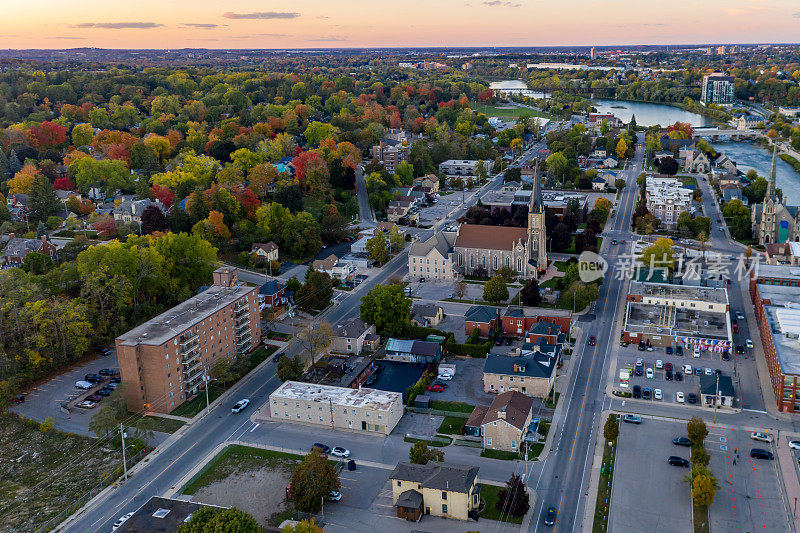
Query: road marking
[254, 428]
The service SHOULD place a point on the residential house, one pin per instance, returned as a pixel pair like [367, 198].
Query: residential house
[746, 121]
[270, 294]
[430, 181]
[432, 258]
[599, 152]
[505, 423]
[733, 192]
[335, 268]
[268, 251]
[599, 184]
[610, 162]
[531, 370]
[350, 336]
[483, 318]
[427, 315]
[131, 210]
[726, 164]
[551, 332]
[18, 206]
[18, 248]
[413, 351]
[518, 320]
[448, 490]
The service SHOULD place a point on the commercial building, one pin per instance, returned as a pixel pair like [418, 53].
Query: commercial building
[519, 320]
[663, 314]
[785, 253]
[775, 292]
[504, 424]
[364, 410]
[413, 351]
[162, 361]
[667, 199]
[161, 514]
[440, 489]
[717, 88]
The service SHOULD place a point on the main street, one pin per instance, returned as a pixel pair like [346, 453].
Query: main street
[563, 481]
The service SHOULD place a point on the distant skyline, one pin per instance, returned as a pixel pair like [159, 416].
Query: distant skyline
[357, 23]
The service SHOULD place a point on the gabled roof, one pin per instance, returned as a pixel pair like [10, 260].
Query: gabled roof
[425, 310]
[510, 406]
[545, 328]
[271, 287]
[481, 313]
[442, 241]
[325, 264]
[268, 247]
[490, 237]
[352, 328]
[438, 476]
[532, 366]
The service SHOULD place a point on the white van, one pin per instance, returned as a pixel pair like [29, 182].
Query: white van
[83, 385]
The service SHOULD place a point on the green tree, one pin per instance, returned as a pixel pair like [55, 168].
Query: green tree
[216, 520]
[619, 184]
[495, 290]
[387, 307]
[696, 430]
[289, 368]
[659, 254]
[611, 428]
[557, 164]
[304, 526]
[316, 292]
[700, 456]
[42, 201]
[114, 410]
[377, 249]
[421, 454]
[529, 294]
[703, 491]
[313, 479]
[396, 239]
[405, 173]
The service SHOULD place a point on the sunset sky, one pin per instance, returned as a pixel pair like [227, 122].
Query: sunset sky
[358, 23]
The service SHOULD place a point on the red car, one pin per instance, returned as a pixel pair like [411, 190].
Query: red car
[735, 328]
[622, 241]
[668, 367]
[436, 388]
[592, 340]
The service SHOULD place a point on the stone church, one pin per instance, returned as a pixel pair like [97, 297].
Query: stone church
[772, 220]
[493, 247]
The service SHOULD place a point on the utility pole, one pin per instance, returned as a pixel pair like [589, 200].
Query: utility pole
[124, 462]
[205, 380]
[716, 401]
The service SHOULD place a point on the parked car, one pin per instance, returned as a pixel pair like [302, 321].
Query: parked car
[657, 394]
[698, 371]
[435, 388]
[440, 383]
[240, 405]
[646, 393]
[726, 356]
[277, 357]
[687, 369]
[104, 393]
[115, 379]
[659, 364]
[550, 516]
[96, 398]
[735, 328]
[682, 441]
[93, 378]
[696, 352]
[669, 350]
[641, 346]
[679, 351]
[84, 385]
[87, 404]
[668, 375]
[794, 444]
[122, 520]
[107, 371]
[649, 348]
[321, 447]
[104, 352]
[338, 451]
[759, 453]
[508, 341]
[709, 372]
[761, 436]
[668, 366]
[637, 391]
[622, 241]
[649, 373]
[691, 398]
[334, 496]
[592, 341]
[678, 375]
[674, 460]
[632, 419]
[679, 397]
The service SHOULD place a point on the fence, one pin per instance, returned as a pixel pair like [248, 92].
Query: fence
[439, 412]
[94, 491]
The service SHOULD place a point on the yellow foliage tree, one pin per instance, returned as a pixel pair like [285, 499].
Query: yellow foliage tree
[23, 180]
[622, 147]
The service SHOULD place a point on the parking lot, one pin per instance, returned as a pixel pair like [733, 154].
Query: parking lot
[467, 384]
[669, 388]
[45, 400]
[750, 494]
[648, 494]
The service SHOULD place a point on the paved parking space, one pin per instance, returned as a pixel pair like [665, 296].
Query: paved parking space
[648, 494]
[689, 384]
[750, 494]
[45, 399]
[361, 486]
[467, 384]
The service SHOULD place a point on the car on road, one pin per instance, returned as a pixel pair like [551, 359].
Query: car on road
[739, 349]
[592, 340]
[104, 352]
[760, 453]
[794, 444]
[613, 241]
[550, 516]
[622, 241]
[646, 392]
[679, 397]
[324, 448]
[83, 385]
[659, 364]
[696, 352]
[761, 436]
[435, 387]
[657, 394]
[637, 391]
[749, 343]
[682, 441]
[338, 451]
[240, 405]
[649, 373]
[334, 496]
[687, 369]
[679, 351]
[277, 357]
[674, 460]
[691, 398]
[632, 419]
[736, 328]
[87, 404]
[122, 519]
[739, 315]
[709, 372]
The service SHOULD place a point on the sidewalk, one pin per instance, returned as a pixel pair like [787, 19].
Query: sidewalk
[594, 476]
[788, 469]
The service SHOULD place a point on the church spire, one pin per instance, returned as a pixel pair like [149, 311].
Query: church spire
[536, 195]
[771, 185]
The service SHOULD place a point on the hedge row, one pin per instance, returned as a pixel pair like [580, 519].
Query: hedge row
[418, 388]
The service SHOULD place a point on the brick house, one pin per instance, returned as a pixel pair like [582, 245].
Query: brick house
[504, 424]
[518, 320]
[483, 318]
[270, 294]
[18, 248]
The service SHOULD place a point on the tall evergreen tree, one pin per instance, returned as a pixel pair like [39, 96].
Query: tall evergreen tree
[14, 165]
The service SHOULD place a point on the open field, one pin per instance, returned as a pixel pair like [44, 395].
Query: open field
[507, 112]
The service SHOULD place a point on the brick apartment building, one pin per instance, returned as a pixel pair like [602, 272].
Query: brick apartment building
[517, 321]
[162, 361]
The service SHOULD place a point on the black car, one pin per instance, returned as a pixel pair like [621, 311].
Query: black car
[638, 370]
[646, 393]
[679, 351]
[115, 379]
[637, 391]
[440, 383]
[321, 447]
[508, 341]
[668, 375]
[691, 397]
[93, 378]
[674, 460]
[678, 375]
[641, 346]
[682, 441]
[104, 352]
[94, 398]
[107, 372]
[277, 357]
[550, 516]
[669, 350]
[726, 356]
[739, 349]
[760, 453]
[104, 392]
[592, 341]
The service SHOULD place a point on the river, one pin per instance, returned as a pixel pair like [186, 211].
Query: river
[650, 114]
[749, 156]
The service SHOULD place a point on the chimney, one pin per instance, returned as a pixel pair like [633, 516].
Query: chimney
[501, 414]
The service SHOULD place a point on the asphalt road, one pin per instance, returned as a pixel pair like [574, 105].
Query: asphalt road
[564, 480]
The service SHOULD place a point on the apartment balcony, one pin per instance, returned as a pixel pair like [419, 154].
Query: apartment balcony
[188, 339]
[242, 326]
[243, 342]
[241, 305]
[193, 367]
[191, 357]
[193, 383]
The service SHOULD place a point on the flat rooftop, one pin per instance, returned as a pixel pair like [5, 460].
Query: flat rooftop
[679, 292]
[367, 398]
[783, 319]
[777, 271]
[161, 515]
[183, 316]
[675, 321]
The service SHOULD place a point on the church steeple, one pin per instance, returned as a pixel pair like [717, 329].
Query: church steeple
[770, 195]
[535, 204]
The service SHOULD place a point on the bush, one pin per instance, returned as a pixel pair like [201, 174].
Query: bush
[418, 388]
[472, 350]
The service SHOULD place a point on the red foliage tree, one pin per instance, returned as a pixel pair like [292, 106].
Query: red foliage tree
[49, 134]
[163, 194]
[684, 127]
[306, 161]
[64, 184]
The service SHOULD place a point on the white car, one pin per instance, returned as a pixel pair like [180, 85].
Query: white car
[739, 316]
[679, 397]
[335, 496]
[87, 404]
[649, 373]
[696, 352]
[657, 394]
[338, 451]
[659, 364]
[687, 369]
[650, 348]
[240, 405]
[794, 444]
[708, 371]
[84, 385]
[763, 437]
[122, 520]
[749, 343]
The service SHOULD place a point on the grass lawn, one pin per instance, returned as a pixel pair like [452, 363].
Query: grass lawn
[191, 408]
[500, 454]
[552, 405]
[511, 111]
[438, 441]
[452, 425]
[157, 423]
[561, 266]
[457, 407]
[490, 493]
[237, 458]
[700, 515]
[551, 283]
[689, 180]
[603, 505]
